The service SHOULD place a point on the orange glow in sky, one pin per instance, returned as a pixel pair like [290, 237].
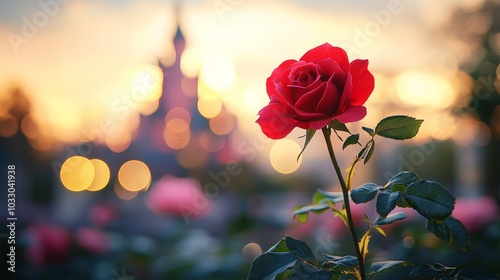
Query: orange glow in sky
[90, 71]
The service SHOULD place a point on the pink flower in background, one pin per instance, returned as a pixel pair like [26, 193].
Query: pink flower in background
[178, 196]
[92, 240]
[47, 244]
[476, 212]
[101, 214]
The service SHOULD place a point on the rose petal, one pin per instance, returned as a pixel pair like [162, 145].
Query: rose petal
[319, 124]
[300, 68]
[330, 101]
[346, 93]
[330, 67]
[305, 116]
[275, 122]
[308, 101]
[296, 92]
[328, 51]
[362, 82]
[275, 77]
[352, 114]
[282, 87]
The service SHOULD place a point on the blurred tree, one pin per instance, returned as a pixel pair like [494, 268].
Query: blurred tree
[33, 167]
[481, 31]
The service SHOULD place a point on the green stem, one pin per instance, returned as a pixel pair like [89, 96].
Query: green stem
[345, 192]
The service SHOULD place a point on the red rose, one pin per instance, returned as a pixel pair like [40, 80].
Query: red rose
[309, 93]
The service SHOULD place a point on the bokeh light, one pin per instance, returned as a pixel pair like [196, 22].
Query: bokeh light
[123, 193]
[101, 176]
[424, 89]
[147, 84]
[209, 106]
[283, 156]
[8, 126]
[134, 175]
[189, 86]
[77, 173]
[190, 63]
[167, 58]
[41, 143]
[178, 113]
[174, 136]
[211, 142]
[251, 251]
[176, 133]
[29, 126]
[223, 123]
[118, 141]
[217, 72]
[148, 108]
[192, 157]
[177, 125]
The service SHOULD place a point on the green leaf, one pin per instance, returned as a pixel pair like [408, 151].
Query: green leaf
[367, 220]
[280, 246]
[450, 230]
[386, 202]
[338, 126]
[370, 152]
[397, 188]
[351, 140]
[300, 249]
[362, 152]
[350, 172]
[404, 178]
[381, 231]
[379, 267]
[286, 274]
[342, 214]
[398, 127]
[343, 261]
[309, 135]
[318, 197]
[390, 219]
[425, 272]
[476, 270]
[333, 197]
[363, 244]
[369, 130]
[282, 258]
[268, 265]
[304, 271]
[302, 218]
[364, 193]
[314, 208]
[430, 199]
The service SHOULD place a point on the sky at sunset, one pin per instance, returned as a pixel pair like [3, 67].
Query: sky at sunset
[75, 59]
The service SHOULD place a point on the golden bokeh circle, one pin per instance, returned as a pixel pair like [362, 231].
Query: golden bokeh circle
[134, 175]
[77, 173]
[101, 177]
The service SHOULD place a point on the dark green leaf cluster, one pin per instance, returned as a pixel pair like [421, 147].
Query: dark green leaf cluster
[473, 270]
[288, 259]
[293, 259]
[430, 199]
